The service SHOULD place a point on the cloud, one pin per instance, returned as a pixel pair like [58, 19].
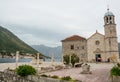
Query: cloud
[49, 21]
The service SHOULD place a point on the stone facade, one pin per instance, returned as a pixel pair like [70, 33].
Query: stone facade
[75, 45]
[97, 47]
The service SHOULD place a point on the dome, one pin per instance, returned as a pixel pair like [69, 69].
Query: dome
[109, 14]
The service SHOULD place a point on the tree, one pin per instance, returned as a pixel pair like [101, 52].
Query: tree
[25, 70]
[66, 59]
[74, 59]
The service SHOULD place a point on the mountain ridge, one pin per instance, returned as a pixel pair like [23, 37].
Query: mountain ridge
[10, 43]
[49, 51]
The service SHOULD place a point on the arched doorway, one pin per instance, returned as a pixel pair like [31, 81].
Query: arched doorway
[98, 58]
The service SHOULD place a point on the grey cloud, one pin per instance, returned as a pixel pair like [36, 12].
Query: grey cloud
[50, 21]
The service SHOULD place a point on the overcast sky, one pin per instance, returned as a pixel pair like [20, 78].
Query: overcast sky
[49, 21]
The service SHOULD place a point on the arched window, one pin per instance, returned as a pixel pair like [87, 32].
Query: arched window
[110, 20]
[97, 42]
[107, 20]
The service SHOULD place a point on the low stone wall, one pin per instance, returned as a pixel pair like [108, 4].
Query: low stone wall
[44, 79]
[11, 77]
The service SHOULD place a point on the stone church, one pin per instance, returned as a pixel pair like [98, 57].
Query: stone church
[96, 48]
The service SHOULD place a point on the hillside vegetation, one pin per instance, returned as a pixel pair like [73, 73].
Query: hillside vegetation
[10, 43]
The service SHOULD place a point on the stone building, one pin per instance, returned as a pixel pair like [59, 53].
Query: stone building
[75, 45]
[97, 47]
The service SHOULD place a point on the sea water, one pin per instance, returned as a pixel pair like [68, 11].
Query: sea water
[55, 60]
[12, 60]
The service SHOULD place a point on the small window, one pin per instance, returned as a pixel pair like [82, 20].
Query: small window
[83, 47]
[97, 42]
[78, 47]
[72, 47]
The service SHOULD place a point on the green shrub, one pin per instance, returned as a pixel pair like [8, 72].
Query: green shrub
[115, 71]
[66, 59]
[74, 59]
[67, 78]
[43, 75]
[118, 64]
[25, 70]
[55, 77]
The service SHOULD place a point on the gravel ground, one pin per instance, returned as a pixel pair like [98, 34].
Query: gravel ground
[100, 73]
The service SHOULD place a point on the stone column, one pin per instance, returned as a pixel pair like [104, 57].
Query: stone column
[52, 59]
[38, 63]
[17, 58]
[38, 59]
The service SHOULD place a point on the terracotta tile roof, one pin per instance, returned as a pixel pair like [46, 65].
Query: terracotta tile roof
[74, 38]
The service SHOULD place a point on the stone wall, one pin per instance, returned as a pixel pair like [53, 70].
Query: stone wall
[80, 49]
[11, 77]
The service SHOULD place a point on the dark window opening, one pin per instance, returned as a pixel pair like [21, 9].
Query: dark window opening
[77, 47]
[107, 20]
[72, 47]
[82, 47]
[110, 20]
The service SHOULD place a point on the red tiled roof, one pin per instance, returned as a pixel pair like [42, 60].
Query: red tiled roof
[74, 38]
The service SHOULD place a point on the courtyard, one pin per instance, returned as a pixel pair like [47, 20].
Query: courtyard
[100, 73]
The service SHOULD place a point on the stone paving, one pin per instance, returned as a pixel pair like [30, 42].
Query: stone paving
[100, 73]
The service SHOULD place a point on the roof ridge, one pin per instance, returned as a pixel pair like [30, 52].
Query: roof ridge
[74, 38]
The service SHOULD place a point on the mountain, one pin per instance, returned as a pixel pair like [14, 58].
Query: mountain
[10, 43]
[48, 51]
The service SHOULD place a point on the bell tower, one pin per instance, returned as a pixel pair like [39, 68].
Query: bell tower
[111, 43]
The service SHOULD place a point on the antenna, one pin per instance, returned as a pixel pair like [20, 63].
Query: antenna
[108, 8]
